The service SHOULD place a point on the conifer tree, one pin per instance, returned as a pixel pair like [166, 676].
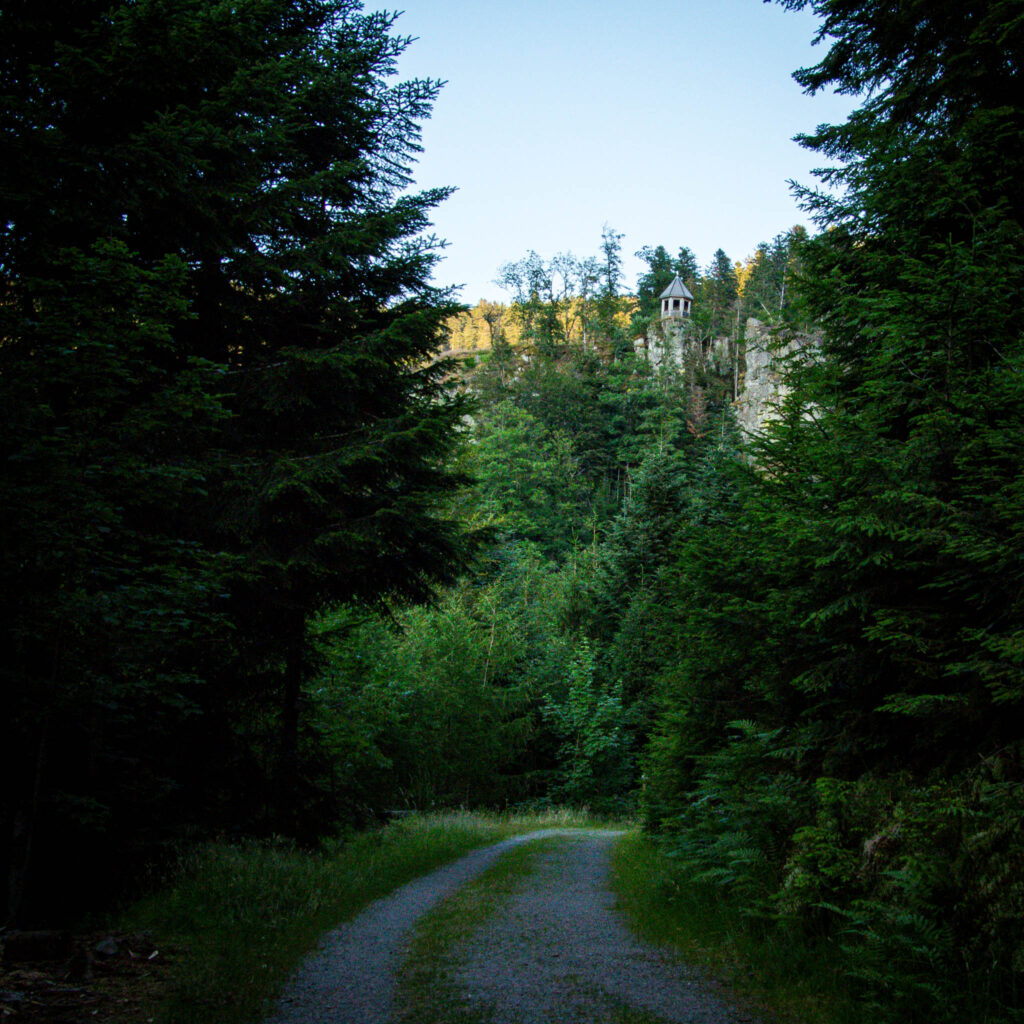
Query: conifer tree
[858, 616]
[719, 292]
[916, 446]
[221, 407]
[686, 266]
[652, 283]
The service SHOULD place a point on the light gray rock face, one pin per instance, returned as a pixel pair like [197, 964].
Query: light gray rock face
[661, 346]
[763, 389]
[668, 343]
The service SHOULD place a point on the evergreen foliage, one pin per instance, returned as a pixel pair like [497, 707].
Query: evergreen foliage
[841, 727]
[233, 464]
[771, 280]
[220, 407]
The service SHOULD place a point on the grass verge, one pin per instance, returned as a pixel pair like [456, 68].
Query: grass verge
[240, 917]
[781, 975]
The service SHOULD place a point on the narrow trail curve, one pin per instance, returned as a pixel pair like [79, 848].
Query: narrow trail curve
[350, 979]
[555, 952]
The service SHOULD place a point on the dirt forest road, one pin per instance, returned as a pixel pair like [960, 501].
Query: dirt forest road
[552, 950]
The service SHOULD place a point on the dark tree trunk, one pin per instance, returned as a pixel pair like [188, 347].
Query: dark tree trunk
[288, 797]
[23, 813]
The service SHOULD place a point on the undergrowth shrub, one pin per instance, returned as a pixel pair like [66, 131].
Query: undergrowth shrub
[735, 829]
[917, 886]
[595, 760]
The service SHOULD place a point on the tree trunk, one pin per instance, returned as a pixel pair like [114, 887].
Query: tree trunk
[22, 827]
[288, 773]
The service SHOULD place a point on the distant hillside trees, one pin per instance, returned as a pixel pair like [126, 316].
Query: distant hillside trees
[568, 301]
[481, 327]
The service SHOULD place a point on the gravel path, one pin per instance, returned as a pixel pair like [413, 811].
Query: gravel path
[555, 953]
[350, 979]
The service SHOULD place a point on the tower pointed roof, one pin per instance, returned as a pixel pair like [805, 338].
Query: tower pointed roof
[676, 290]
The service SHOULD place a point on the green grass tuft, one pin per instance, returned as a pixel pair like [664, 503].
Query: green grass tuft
[425, 992]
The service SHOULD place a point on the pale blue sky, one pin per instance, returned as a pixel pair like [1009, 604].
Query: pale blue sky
[670, 121]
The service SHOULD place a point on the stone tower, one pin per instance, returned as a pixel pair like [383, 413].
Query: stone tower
[665, 345]
[675, 301]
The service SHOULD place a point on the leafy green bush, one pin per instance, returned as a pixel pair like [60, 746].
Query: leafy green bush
[595, 759]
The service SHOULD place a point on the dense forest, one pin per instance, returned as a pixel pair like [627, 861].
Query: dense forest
[272, 566]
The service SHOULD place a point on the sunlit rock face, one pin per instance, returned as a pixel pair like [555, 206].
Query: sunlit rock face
[758, 387]
[671, 342]
[762, 389]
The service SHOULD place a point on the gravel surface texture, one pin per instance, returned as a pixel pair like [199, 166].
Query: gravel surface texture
[557, 953]
[350, 979]
[554, 953]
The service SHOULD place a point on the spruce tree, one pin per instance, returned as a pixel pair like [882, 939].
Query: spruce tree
[651, 284]
[859, 618]
[915, 445]
[221, 405]
[720, 290]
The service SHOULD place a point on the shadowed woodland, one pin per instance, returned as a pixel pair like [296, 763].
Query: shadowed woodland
[273, 567]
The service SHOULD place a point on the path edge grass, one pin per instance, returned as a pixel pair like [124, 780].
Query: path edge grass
[239, 917]
[427, 993]
[775, 975]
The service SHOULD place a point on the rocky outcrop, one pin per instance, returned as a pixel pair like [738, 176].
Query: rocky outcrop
[762, 388]
[667, 343]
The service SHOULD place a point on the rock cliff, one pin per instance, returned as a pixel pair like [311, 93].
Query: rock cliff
[762, 388]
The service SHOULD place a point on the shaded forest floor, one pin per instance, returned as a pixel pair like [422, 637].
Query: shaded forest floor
[222, 936]
[220, 941]
[540, 939]
[109, 978]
